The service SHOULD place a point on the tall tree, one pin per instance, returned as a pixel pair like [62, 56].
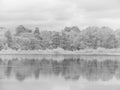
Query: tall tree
[37, 31]
[37, 34]
[8, 36]
[21, 29]
[56, 40]
[65, 42]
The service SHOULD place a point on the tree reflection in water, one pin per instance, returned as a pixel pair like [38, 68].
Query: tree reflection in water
[69, 69]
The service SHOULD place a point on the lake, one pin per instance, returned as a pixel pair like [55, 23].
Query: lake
[59, 72]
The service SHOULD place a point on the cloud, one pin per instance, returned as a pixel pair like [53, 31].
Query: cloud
[96, 5]
[60, 12]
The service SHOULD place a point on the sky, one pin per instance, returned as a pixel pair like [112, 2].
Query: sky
[56, 14]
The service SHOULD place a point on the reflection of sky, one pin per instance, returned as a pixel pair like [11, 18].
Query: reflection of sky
[58, 84]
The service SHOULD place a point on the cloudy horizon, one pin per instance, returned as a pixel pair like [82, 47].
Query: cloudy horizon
[60, 13]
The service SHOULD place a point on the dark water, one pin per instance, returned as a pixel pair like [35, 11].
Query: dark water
[66, 74]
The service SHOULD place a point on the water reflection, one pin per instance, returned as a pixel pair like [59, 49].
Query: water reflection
[69, 69]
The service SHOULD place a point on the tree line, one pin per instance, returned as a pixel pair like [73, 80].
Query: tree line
[70, 38]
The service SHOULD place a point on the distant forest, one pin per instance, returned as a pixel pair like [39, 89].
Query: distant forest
[70, 38]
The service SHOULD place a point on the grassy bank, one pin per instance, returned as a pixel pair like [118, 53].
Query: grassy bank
[59, 51]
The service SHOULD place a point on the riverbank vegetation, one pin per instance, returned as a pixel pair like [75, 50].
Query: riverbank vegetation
[68, 39]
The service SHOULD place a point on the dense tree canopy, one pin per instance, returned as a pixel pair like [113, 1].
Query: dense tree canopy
[70, 38]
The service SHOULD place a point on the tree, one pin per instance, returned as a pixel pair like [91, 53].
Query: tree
[1, 46]
[65, 42]
[117, 36]
[56, 40]
[37, 31]
[21, 29]
[9, 38]
[94, 37]
[108, 38]
[90, 37]
[46, 39]
[73, 28]
[72, 33]
[35, 44]
[21, 43]
[37, 34]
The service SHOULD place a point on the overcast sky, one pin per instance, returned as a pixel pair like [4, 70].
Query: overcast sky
[60, 13]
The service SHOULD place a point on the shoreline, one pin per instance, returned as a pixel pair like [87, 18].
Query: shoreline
[86, 52]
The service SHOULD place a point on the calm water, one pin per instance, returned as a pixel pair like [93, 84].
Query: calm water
[68, 73]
